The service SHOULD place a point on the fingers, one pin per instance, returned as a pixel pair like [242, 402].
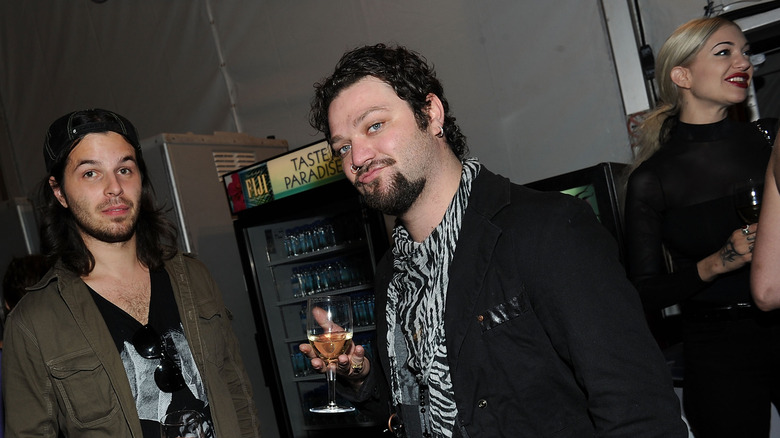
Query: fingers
[749, 231]
[738, 250]
[321, 316]
[358, 362]
[354, 364]
[343, 365]
[307, 350]
[316, 363]
[743, 239]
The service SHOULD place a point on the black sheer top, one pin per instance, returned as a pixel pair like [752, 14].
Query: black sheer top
[680, 199]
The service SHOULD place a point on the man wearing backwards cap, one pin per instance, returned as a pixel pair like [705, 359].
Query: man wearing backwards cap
[123, 328]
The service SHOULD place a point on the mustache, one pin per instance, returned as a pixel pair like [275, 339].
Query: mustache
[367, 167]
[113, 202]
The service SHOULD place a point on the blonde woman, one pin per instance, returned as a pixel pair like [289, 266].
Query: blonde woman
[679, 203]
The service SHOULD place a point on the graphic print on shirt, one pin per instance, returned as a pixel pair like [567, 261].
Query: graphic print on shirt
[151, 402]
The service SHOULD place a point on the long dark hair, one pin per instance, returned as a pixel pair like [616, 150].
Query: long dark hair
[406, 71]
[60, 238]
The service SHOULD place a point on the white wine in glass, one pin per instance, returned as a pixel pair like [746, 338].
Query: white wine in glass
[747, 199]
[329, 346]
[329, 329]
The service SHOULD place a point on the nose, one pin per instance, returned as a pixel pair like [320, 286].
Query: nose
[113, 186]
[361, 153]
[742, 62]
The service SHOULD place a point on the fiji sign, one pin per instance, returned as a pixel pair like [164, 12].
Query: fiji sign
[291, 173]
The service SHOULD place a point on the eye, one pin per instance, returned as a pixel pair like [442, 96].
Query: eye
[89, 174]
[343, 150]
[125, 171]
[375, 127]
[724, 52]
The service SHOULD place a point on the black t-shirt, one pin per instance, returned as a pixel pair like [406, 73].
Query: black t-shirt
[151, 402]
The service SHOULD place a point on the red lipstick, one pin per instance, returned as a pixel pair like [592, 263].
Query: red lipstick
[741, 80]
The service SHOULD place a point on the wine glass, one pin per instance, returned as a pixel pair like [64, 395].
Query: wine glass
[747, 199]
[182, 424]
[329, 329]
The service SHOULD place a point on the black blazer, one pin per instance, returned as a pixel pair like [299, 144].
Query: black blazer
[545, 335]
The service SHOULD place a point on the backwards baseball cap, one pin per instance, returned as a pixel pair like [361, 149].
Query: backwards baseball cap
[66, 132]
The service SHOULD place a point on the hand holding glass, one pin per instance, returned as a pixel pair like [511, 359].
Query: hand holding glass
[747, 199]
[329, 329]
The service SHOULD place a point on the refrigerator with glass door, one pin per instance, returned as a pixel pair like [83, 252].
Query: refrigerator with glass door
[303, 231]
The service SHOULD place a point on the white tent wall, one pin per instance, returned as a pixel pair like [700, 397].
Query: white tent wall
[154, 62]
[532, 83]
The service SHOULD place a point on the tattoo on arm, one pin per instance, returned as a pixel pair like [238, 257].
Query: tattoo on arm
[728, 253]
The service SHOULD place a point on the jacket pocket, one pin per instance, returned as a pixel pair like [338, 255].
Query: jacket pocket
[84, 388]
[495, 316]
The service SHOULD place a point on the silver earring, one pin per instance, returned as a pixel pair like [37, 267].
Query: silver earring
[441, 132]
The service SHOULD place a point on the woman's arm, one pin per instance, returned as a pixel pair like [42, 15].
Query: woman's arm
[764, 274]
[658, 287]
[646, 260]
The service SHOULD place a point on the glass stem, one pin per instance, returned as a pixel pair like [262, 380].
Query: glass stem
[331, 373]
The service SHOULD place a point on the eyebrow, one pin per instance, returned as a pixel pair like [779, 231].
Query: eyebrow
[728, 43]
[124, 159]
[358, 120]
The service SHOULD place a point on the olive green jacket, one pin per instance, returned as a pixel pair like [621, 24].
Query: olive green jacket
[62, 371]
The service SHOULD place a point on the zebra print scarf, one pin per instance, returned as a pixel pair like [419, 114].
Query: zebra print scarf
[416, 300]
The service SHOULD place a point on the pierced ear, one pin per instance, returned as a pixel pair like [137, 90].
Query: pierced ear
[681, 77]
[435, 112]
[57, 190]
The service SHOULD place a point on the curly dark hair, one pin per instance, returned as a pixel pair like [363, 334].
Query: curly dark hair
[406, 71]
[60, 238]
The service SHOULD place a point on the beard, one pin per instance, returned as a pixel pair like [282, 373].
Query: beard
[114, 231]
[108, 234]
[397, 199]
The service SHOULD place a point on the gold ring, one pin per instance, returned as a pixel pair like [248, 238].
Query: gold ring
[358, 367]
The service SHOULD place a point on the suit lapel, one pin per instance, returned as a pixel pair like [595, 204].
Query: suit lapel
[476, 244]
[473, 255]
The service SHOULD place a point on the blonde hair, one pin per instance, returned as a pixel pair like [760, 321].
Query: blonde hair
[678, 50]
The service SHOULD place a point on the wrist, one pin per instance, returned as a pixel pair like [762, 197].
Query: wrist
[710, 267]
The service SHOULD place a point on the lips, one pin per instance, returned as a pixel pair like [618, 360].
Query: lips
[741, 80]
[370, 171]
[367, 174]
[113, 210]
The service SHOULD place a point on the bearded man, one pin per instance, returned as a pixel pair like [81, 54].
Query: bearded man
[124, 328]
